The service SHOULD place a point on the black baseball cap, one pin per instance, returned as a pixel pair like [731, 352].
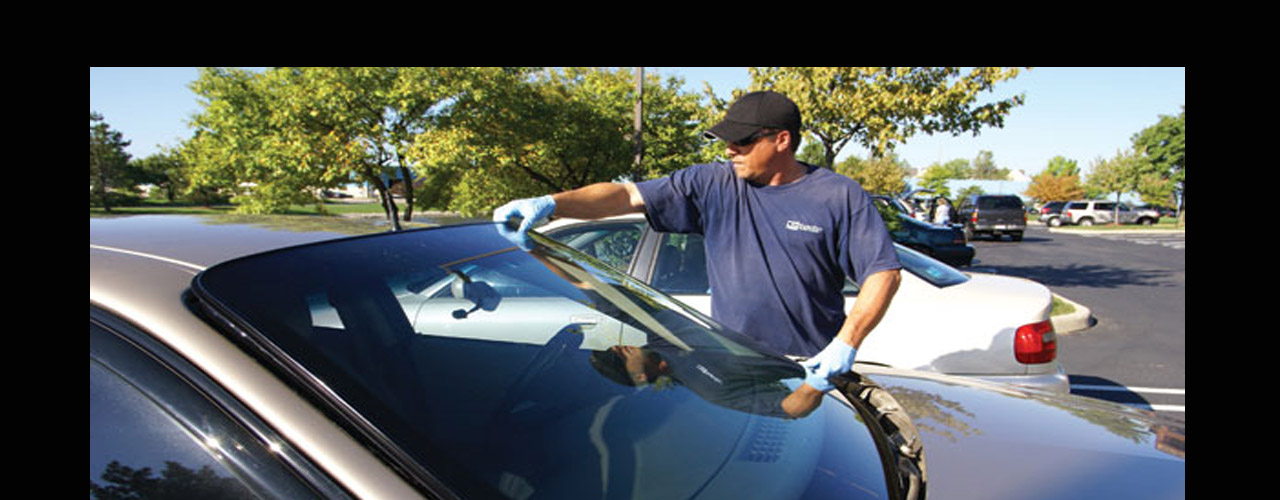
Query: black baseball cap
[754, 111]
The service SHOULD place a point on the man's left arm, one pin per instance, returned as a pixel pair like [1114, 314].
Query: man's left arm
[873, 300]
[874, 297]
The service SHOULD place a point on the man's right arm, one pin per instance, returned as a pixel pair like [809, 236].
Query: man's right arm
[598, 201]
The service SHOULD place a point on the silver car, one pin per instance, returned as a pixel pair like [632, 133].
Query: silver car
[986, 326]
[1088, 213]
[230, 360]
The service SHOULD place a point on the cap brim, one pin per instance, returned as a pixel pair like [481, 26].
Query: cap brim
[728, 131]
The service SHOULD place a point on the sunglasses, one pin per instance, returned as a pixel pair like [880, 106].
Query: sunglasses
[751, 139]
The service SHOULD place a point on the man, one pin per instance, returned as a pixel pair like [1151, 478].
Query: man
[781, 236]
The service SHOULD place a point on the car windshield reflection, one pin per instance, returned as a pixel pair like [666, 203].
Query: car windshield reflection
[511, 373]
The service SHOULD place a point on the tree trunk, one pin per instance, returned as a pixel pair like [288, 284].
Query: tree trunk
[408, 194]
[384, 195]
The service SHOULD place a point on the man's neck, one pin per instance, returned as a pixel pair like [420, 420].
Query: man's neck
[791, 171]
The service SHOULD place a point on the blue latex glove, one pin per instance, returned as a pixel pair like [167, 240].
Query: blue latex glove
[835, 359]
[530, 210]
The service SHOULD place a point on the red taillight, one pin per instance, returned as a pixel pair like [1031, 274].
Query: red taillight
[1035, 343]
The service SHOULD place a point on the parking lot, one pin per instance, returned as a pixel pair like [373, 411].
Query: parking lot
[1134, 283]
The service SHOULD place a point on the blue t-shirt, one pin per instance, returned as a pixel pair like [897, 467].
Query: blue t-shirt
[777, 256]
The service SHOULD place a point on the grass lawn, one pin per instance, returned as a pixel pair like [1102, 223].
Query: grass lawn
[152, 207]
[1165, 223]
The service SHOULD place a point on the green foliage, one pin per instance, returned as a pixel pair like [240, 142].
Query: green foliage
[277, 138]
[1061, 166]
[969, 191]
[1120, 174]
[936, 176]
[813, 154]
[886, 175]
[165, 170]
[881, 107]
[984, 167]
[514, 136]
[109, 169]
[1046, 186]
[1163, 148]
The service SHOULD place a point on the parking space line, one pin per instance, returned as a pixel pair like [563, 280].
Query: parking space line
[1121, 388]
[1168, 408]
[1143, 390]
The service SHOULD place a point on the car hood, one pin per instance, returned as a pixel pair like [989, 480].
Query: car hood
[989, 441]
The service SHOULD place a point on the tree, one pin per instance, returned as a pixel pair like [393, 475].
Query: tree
[1164, 149]
[519, 135]
[291, 132]
[242, 145]
[881, 107]
[1046, 186]
[886, 175]
[1060, 181]
[165, 170]
[984, 167]
[936, 176]
[121, 482]
[814, 154]
[1120, 174]
[1061, 166]
[108, 161]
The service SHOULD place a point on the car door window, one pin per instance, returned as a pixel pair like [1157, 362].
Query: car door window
[681, 266]
[152, 434]
[614, 244]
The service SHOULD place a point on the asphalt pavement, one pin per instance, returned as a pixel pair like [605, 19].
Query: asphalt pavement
[1130, 345]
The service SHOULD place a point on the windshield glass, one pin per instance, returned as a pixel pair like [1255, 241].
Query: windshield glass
[541, 374]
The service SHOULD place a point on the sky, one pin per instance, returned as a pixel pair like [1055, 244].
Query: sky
[1083, 114]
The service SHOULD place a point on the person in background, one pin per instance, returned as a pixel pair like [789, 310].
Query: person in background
[942, 211]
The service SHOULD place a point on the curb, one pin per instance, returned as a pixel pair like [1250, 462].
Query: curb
[1079, 320]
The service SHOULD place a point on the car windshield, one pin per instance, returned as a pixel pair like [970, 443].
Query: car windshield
[540, 374]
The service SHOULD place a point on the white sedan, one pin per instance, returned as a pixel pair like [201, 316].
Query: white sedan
[985, 326]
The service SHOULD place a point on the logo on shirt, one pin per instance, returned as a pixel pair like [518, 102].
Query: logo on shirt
[710, 375]
[800, 226]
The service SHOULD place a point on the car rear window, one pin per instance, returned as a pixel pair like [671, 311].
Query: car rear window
[999, 202]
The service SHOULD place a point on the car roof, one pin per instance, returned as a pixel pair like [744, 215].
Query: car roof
[203, 241]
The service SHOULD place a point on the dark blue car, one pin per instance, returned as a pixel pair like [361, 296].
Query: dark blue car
[943, 242]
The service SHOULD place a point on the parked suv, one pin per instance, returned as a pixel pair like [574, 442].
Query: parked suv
[993, 214]
[1051, 213]
[1088, 213]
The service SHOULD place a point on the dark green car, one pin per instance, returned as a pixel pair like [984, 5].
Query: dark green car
[945, 243]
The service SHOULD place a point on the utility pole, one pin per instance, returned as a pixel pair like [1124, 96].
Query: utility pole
[639, 126]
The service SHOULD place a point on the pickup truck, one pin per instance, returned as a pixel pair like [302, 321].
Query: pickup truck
[993, 214]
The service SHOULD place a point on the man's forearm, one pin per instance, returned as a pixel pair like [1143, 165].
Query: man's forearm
[599, 200]
[874, 298]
